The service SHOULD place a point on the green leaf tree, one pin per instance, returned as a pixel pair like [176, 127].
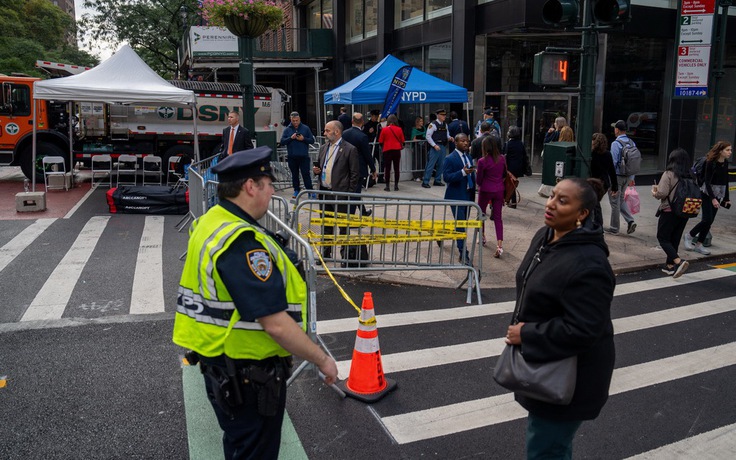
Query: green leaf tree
[36, 29]
[154, 28]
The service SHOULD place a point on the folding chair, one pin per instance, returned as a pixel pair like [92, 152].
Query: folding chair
[102, 165]
[54, 166]
[127, 166]
[152, 167]
[172, 174]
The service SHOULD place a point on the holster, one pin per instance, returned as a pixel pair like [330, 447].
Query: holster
[237, 384]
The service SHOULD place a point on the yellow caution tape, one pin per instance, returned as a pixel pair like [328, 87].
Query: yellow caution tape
[356, 240]
[345, 295]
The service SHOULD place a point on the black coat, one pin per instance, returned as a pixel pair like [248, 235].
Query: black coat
[567, 311]
[601, 167]
[360, 140]
[515, 157]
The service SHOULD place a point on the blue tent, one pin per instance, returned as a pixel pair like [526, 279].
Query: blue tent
[371, 87]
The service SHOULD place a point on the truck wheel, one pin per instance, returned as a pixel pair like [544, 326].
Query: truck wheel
[42, 149]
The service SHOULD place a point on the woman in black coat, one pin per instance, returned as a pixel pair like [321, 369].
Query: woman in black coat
[602, 168]
[517, 160]
[566, 311]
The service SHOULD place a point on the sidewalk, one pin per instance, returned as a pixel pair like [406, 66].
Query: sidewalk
[637, 251]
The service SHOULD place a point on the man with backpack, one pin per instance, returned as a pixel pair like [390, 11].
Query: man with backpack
[627, 160]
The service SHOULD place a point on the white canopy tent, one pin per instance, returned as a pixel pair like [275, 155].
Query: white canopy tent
[123, 78]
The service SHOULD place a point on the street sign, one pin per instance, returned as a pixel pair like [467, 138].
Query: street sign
[696, 29]
[694, 38]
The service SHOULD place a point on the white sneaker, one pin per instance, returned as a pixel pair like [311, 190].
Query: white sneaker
[699, 248]
[688, 242]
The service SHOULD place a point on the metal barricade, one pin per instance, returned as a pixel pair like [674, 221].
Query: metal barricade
[280, 166]
[362, 233]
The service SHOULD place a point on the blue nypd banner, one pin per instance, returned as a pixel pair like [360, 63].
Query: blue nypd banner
[396, 91]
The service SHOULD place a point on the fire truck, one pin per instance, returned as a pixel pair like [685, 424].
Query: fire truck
[100, 128]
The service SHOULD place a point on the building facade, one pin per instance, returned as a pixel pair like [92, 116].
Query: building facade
[487, 46]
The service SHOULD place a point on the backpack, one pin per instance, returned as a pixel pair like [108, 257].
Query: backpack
[630, 161]
[495, 130]
[687, 198]
[698, 170]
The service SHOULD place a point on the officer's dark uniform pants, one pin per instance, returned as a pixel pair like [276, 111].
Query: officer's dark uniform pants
[249, 435]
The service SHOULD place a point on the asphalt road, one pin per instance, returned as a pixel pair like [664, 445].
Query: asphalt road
[82, 376]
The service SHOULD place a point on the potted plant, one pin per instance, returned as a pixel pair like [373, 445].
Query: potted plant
[244, 18]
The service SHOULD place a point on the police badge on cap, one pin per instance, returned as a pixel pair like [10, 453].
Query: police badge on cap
[245, 164]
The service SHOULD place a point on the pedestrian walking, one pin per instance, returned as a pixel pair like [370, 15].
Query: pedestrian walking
[670, 226]
[517, 160]
[618, 204]
[392, 142]
[564, 290]
[602, 168]
[715, 195]
[491, 173]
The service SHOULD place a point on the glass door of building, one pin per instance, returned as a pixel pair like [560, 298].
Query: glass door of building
[534, 114]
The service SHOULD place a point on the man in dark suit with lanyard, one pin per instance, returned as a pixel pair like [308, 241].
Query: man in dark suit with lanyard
[338, 170]
[359, 140]
[235, 138]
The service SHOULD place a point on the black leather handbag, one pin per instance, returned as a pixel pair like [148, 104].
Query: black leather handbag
[552, 381]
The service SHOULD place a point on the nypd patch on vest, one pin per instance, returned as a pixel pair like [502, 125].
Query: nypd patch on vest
[260, 264]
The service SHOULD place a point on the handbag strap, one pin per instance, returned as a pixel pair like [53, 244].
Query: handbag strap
[536, 260]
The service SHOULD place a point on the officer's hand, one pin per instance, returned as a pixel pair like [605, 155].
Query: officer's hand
[329, 368]
[436, 147]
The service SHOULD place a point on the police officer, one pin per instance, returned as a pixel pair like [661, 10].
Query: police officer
[242, 309]
[437, 137]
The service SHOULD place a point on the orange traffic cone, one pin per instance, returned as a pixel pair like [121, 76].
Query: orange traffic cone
[366, 381]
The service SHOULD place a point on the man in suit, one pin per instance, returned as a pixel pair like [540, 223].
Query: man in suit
[455, 127]
[344, 118]
[459, 175]
[235, 138]
[338, 170]
[359, 139]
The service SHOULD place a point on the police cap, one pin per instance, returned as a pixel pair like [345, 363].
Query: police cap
[245, 164]
[440, 112]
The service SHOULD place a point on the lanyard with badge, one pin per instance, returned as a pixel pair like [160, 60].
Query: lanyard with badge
[330, 153]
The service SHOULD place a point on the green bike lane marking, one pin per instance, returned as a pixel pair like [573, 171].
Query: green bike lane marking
[205, 435]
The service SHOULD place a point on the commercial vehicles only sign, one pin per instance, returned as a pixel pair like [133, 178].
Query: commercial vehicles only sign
[693, 48]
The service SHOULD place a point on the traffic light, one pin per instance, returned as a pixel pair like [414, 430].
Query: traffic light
[562, 13]
[611, 12]
[551, 69]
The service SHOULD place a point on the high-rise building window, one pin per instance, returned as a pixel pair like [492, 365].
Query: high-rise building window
[355, 19]
[371, 17]
[438, 8]
[362, 19]
[410, 12]
[319, 14]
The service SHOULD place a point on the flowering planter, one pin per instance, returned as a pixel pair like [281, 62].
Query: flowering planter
[252, 27]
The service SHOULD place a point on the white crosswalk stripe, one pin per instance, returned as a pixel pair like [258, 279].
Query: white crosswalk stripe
[442, 420]
[143, 278]
[712, 445]
[417, 359]
[454, 418]
[14, 247]
[51, 301]
[147, 294]
[148, 289]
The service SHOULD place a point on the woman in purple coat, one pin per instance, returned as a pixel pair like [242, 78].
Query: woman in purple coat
[490, 174]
